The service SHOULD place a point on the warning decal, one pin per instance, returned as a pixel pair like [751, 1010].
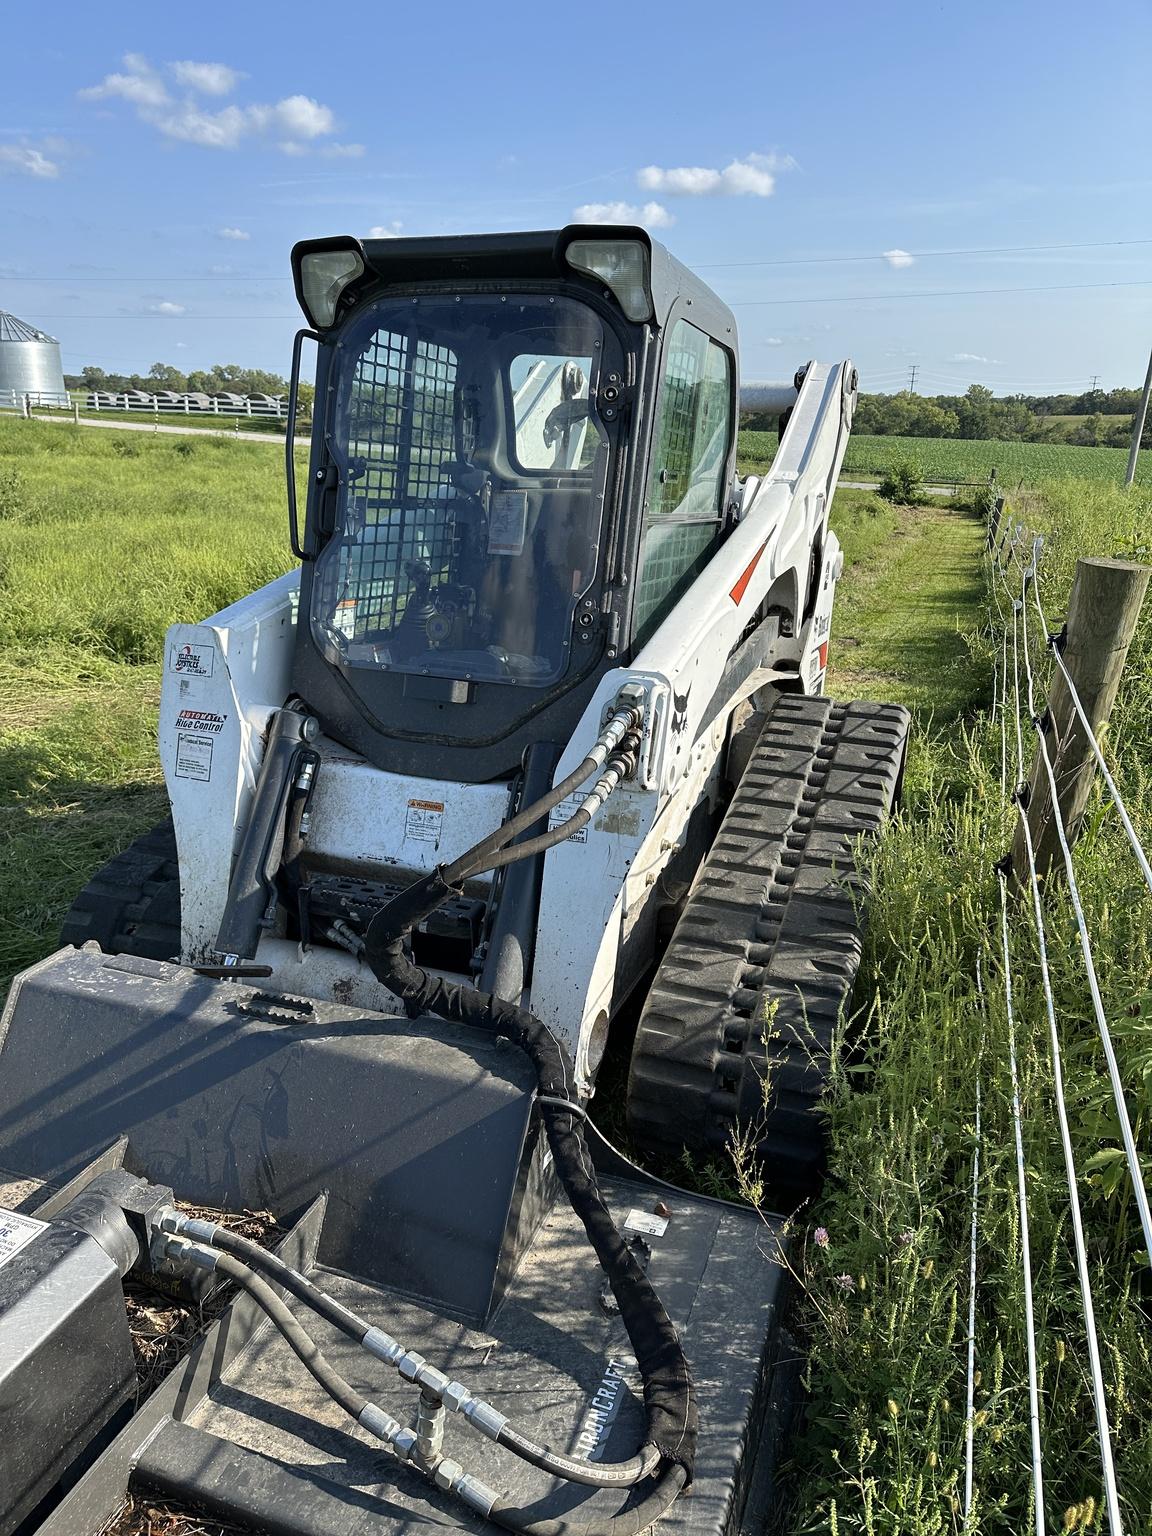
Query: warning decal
[202, 721]
[192, 660]
[15, 1231]
[507, 523]
[424, 821]
[193, 756]
[564, 812]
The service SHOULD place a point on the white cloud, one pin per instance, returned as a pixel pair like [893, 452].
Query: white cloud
[343, 151]
[899, 258]
[181, 346]
[22, 160]
[385, 231]
[752, 176]
[652, 215]
[166, 307]
[972, 357]
[296, 117]
[230, 232]
[140, 85]
[774, 341]
[293, 123]
[211, 79]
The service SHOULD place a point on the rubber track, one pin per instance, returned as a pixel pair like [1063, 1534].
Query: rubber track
[768, 946]
[132, 905]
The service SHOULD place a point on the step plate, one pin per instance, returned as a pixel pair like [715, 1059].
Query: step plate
[738, 1027]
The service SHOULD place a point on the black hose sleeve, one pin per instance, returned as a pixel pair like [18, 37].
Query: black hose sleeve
[630, 1522]
[305, 1348]
[668, 1396]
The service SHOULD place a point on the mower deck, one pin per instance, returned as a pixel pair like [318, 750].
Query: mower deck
[250, 1438]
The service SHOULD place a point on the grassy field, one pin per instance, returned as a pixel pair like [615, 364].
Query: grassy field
[948, 460]
[883, 1259]
[106, 538]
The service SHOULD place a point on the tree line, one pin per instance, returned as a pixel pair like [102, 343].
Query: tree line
[221, 378]
[1099, 418]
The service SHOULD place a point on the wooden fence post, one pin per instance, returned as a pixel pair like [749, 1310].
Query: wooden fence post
[1102, 614]
[995, 517]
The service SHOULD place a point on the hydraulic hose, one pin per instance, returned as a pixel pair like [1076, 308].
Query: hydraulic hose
[618, 766]
[472, 862]
[301, 1342]
[668, 1393]
[592, 1474]
[473, 1493]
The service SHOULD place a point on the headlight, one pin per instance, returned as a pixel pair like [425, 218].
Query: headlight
[622, 266]
[322, 274]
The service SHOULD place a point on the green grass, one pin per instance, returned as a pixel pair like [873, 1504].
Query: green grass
[948, 460]
[884, 1303]
[101, 546]
[105, 539]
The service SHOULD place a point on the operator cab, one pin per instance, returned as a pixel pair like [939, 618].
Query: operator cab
[477, 493]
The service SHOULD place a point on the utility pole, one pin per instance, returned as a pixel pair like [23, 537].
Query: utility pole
[1095, 384]
[912, 380]
[1138, 426]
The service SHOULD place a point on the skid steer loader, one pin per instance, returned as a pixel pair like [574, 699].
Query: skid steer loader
[532, 741]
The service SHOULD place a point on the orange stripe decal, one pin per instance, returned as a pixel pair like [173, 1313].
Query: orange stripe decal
[741, 586]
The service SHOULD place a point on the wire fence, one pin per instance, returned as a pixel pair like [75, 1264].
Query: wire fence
[1015, 560]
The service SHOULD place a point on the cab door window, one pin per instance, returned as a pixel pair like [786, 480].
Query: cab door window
[686, 491]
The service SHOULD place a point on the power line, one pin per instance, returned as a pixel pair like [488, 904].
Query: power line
[989, 250]
[851, 298]
[940, 293]
[783, 261]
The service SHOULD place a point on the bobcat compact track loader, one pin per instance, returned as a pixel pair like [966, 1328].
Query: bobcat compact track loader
[533, 737]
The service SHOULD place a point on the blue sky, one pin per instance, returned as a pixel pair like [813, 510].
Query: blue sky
[157, 162]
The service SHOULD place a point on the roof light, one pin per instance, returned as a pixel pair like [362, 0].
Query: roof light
[324, 275]
[622, 266]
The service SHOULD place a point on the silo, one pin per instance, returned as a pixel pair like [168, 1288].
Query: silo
[29, 365]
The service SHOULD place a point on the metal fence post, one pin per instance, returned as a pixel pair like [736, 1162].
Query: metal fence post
[1102, 615]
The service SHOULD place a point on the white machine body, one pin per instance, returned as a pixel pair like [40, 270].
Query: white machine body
[224, 678]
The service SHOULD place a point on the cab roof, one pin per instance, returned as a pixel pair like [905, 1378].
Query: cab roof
[535, 255]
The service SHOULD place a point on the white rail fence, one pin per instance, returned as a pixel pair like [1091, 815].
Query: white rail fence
[164, 402]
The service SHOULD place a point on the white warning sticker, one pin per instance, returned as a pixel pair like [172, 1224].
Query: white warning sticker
[564, 812]
[15, 1231]
[424, 821]
[192, 660]
[507, 523]
[647, 1222]
[193, 757]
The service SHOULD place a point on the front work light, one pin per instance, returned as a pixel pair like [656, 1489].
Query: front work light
[622, 266]
[324, 275]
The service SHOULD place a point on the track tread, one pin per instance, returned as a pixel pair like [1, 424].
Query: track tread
[132, 905]
[771, 929]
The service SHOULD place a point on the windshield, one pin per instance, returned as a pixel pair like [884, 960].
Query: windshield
[473, 465]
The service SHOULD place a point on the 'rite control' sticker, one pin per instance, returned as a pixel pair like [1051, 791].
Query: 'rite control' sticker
[202, 721]
[192, 660]
[424, 821]
[15, 1231]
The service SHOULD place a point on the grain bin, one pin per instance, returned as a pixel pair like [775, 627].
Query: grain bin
[29, 365]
